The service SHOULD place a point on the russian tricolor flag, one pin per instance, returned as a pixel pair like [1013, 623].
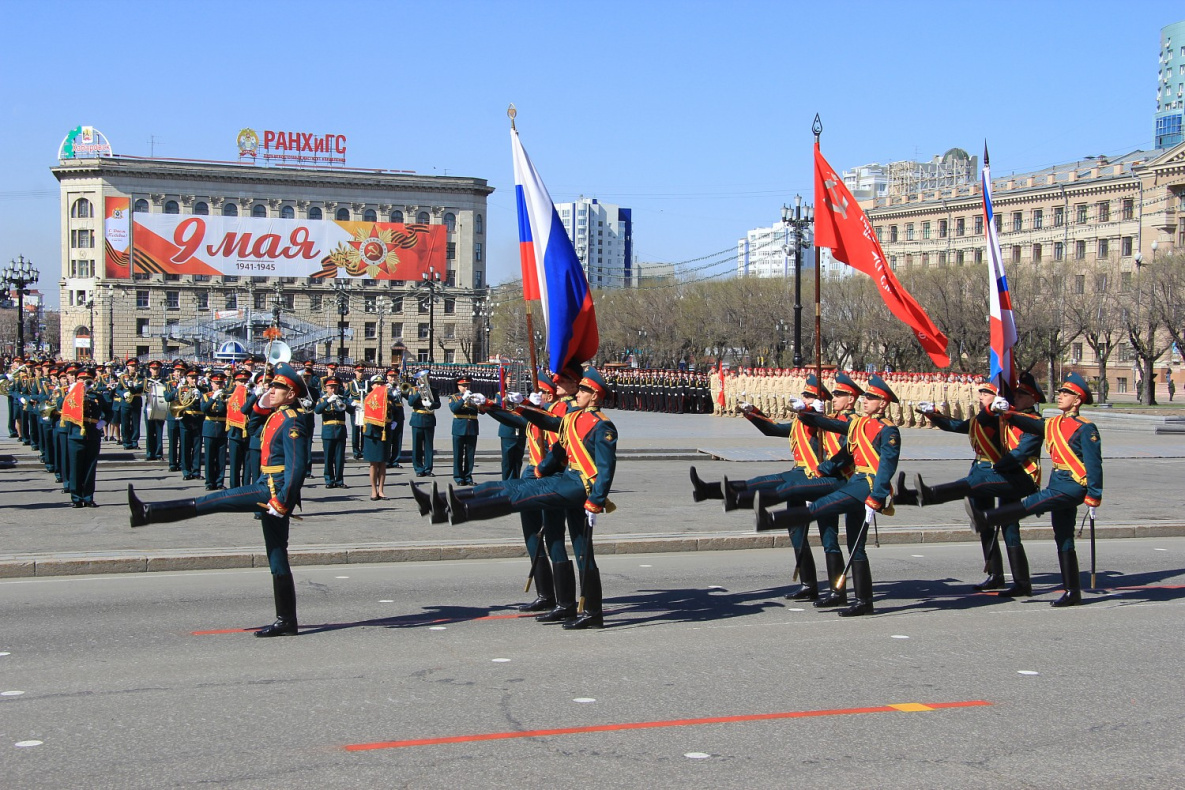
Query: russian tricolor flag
[1000, 322]
[551, 271]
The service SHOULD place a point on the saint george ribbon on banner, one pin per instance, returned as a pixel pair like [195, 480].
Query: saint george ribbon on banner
[842, 226]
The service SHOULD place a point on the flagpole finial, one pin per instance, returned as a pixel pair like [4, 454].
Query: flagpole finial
[985, 153]
[817, 127]
[511, 112]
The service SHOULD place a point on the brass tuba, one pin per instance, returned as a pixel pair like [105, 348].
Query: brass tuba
[425, 389]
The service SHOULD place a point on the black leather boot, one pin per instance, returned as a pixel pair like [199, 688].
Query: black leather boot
[475, 509]
[423, 499]
[943, 492]
[438, 506]
[143, 513]
[1071, 580]
[809, 591]
[592, 616]
[903, 496]
[862, 582]
[836, 595]
[701, 490]
[564, 576]
[544, 587]
[784, 519]
[284, 590]
[993, 562]
[1022, 583]
[736, 494]
[985, 520]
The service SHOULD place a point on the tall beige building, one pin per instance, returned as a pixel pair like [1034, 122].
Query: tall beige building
[154, 315]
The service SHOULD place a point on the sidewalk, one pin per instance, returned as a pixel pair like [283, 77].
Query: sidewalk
[43, 536]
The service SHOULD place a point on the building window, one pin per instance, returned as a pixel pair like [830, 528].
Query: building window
[1079, 283]
[203, 300]
[231, 300]
[370, 215]
[1059, 216]
[1125, 281]
[172, 300]
[1080, 250]
[477, 251]
[260, 302]
[450, 331]
[1036, 253]
[892, 233]
[979, 254]
[315, 213]
[925, 230]
[316, 302]
[423, 305]
[397, 217]
[925, 260]
[141, 206]
[1104, 249]
[1017, 221]
[370, 304]
[1105, 211]
[451, 278]
[450, 356]
[942, 259]
[1076, 352]
[1100, 283]
[1080, 213]
[259, 210]
[422, 355]
[478, 276]
[230, 210]
[201, 208]
[450, 306]
[450, 222]
[1059, 251]
[959, 258]
[368, 356]
[396, 329]
[999, 223]
[450, 251]
[141, 298]
[477, 224]
[1038, 219]
[422, 331]
[171, 207]
[287, 212]
[370, 330]
[82, 239]
[1016, 253]
[230, 278]
[343, 215]
[142, 329]
[81, 209]
[397, 304]
[909, 231]
[978, 224]
[423, 218]
[960, 226]
[942, 229]
[1129, 208]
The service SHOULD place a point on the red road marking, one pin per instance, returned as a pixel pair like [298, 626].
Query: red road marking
[644, 725]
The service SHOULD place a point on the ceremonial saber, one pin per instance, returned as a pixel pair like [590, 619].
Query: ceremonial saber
[843, 577]
[588, 547]
[1093, 585]
[535, 559]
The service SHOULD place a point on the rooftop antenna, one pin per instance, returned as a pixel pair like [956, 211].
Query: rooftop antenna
[152, 146]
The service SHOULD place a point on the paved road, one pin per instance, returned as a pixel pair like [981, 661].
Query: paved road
[121, 693]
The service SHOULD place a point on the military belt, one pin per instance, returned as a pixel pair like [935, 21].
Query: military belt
[215, 419]
[271, 470]
[465, 416]
[422, 411]
[333, 422]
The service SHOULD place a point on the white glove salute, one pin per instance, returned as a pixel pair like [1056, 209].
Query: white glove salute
[514, 398]
[1000, 405]
[818, 406]
[797, 404]
[477, 399]
[536, 399]
[926, 407]
[259, 390]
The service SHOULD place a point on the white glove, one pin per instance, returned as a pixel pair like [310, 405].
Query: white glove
[23, 401]
[477, 399]
[818, 406]
[1000, 405]
[1093, 513]
[868, 514]
[422, 373]
[101, 424]
[745, 406]
[515, 398]
[926, 407]
[592, 518]
[393, 425]
[797, 404]
[259, 390]
[535, 398]
[271, 511]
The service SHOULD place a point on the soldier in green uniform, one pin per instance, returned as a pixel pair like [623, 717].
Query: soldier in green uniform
[188, 398]
[333, 407]
[274, 494]
[464, 432]
[154, 440]
[236, 429]
[395, 434]
[172, 421]
[132, 391]
[87, 415]
[61, 430]
[1077, 454]
[423, 429]
[213, 407]
[356, 390]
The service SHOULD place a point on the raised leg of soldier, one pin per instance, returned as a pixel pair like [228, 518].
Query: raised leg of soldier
[989, 540]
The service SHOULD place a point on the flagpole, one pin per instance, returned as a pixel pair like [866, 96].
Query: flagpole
[511, 112]
[817, 128]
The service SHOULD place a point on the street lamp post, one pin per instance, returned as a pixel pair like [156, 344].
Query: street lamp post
[431, 281]
[19, 275]
[781, 326]
[382, 304]
[798, 221]
[90, 327]
[110, 321]
[342, 287]
[481, 312]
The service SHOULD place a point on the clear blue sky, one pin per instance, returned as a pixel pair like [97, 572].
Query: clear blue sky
[695, 114]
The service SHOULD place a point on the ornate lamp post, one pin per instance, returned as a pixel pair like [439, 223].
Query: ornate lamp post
[18, 275]
[799, 222]
[342, 287]
[431, 281]
[382, 305]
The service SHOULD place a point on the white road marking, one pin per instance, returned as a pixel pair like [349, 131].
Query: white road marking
[697, 755]
[26, 744]
[1026, 672]
[584, 699]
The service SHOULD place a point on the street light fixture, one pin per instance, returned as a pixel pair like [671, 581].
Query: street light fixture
[342, 287]
[799, 222]
[18, 275]
[382, 304]
[431, 281]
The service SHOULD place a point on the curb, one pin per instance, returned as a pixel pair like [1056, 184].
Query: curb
[90, 563]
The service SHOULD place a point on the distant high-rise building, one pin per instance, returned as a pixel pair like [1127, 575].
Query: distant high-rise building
[867, 181]
[1170, 86]
[653, 275]
[602, 234]
[769, 252]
